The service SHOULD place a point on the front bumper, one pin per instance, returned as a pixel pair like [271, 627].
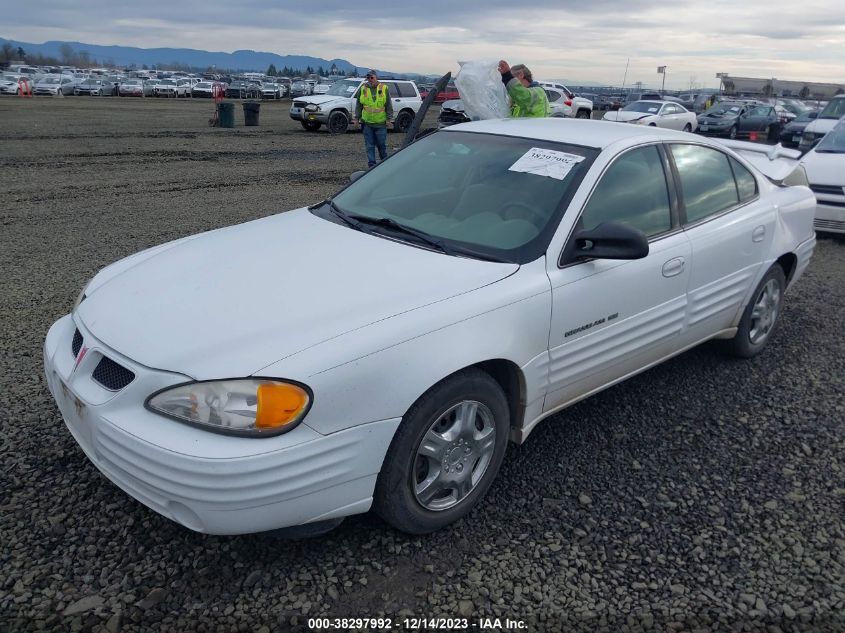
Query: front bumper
[205, 481]
[830, 215]
[716, 130]
[301, 114]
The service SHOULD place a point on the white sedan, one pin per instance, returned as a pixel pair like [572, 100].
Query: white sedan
[673, 116]
[380, 348]
[825, 167]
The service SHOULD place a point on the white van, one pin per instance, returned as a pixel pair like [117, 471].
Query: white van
[813, 133]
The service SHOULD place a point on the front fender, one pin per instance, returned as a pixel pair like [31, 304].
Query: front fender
[378, 372]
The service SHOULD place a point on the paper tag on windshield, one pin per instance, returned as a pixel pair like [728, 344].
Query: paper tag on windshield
[546, 162]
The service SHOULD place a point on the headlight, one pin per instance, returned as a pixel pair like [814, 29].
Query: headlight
[312, 107]
[252, 407]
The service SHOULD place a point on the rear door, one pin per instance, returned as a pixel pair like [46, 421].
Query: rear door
[613, 317]
[730, 229]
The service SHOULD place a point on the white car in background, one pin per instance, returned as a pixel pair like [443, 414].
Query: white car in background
[579, 107]
[54, 85]
[672, 116]
[473, 284]
[815, 131]
[825, 167]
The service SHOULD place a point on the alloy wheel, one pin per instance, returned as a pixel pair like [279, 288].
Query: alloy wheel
[765, 312]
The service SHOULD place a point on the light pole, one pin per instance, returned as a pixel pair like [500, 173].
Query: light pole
[661, 70]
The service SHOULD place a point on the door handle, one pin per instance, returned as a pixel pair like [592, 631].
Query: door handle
[758, 234]
[673, 267]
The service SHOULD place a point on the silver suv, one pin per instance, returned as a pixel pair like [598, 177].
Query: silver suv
[336, 108]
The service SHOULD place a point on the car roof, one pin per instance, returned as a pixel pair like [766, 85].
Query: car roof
[583, 132]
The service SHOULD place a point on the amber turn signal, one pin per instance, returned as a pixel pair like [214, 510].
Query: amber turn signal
[279, 404]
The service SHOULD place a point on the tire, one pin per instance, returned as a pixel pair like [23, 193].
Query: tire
[760, 317]
[688, 127]
[311, 126]
[767, 132]
[732, 133]
[338, 122]
[75, 92]
[582, 114]
[403, 122]
[457, 462]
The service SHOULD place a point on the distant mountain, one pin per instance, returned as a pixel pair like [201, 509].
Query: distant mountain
[244, 60]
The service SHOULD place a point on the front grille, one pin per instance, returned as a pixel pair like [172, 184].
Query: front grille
[832, 190]
[830, 225]
[832, 203]
[76, 344]
[112, 375]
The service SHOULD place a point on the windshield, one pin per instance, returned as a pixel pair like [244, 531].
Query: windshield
[132, 82]
[203, 84]
[834, 110]
[643, 106]
[497, 195]
[167, 82]
[50, 80]
[833, 141]
[343, 88]
[724, 108]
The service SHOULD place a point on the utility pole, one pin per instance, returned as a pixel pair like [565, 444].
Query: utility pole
[661, 70]
[626, 73]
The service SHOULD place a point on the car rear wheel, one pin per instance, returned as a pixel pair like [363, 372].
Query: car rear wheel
[338, 122]
[582, 114]
[311, 126]
[760, 317]
[403, 122]
[445, 454]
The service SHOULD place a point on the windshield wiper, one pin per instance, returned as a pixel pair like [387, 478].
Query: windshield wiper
[830, 151]
[340, 213]
[407, 230]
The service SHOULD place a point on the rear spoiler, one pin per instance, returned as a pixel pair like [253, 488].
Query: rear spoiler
[778, 163]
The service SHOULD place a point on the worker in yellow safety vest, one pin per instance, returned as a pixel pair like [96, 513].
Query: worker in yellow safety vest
[375, 112]
[528, 99]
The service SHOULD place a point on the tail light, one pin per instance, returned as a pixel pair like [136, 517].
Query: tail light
[568, 102]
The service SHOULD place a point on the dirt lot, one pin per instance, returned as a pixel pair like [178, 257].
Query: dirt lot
[704, 495]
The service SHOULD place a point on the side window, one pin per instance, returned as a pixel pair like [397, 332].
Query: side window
[632, 190]
[707, 182]
[392, 90]
[553, 95]
[746, 184]
[406, 89]
[669, 109]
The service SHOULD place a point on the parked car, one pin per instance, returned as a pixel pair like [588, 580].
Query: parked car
[336, 108]
[272, 91]
[93, 86]
[824, 123]
[131, 88]
[452, 112]
[10, 84]
[784, 115]
[608, 102]
[735, 119]
[490, 274]
[150, 86]
[657, 114]
[791, 133]
[203, 89]
[321, 88]
[825, 167]
[300, 89]
[579, 107]
[111, 85]
[166, 88]
[241, 89]
[55, 85]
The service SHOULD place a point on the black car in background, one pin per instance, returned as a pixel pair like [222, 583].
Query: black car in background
[790, 135]
[736, 119]
[240, 89]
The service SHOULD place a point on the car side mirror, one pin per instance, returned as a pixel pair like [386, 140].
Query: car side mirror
[355, 175]
[609, 240]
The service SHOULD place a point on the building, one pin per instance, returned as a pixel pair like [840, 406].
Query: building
[773, 87]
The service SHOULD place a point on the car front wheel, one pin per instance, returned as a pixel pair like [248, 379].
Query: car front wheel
[760, 317]
[445, 454]
[732, 133]
[338, 122]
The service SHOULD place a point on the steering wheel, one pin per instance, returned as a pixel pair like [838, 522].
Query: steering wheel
[534, 216]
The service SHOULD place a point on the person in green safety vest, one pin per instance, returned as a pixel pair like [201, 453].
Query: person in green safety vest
[375, 111]
[528, 99]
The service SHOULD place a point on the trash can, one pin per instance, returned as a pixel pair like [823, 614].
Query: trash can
[251, 112]
[226, 114]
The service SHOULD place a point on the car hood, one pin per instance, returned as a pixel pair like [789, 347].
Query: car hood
[321, 99]
[456, 105]
[718, 117]
[230, 302]
[821, 126]
[824, 168]
[624, 116]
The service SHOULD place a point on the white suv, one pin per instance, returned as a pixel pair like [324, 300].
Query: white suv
[580, 108]
[336, 108]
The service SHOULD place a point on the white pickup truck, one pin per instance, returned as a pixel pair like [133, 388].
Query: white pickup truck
[580, 108]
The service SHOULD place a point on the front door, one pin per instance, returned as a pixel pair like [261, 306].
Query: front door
[611, 317]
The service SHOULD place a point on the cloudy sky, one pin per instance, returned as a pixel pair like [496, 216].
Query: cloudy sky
[578, 40]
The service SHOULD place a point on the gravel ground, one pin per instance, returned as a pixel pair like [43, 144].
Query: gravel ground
[704, 495]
